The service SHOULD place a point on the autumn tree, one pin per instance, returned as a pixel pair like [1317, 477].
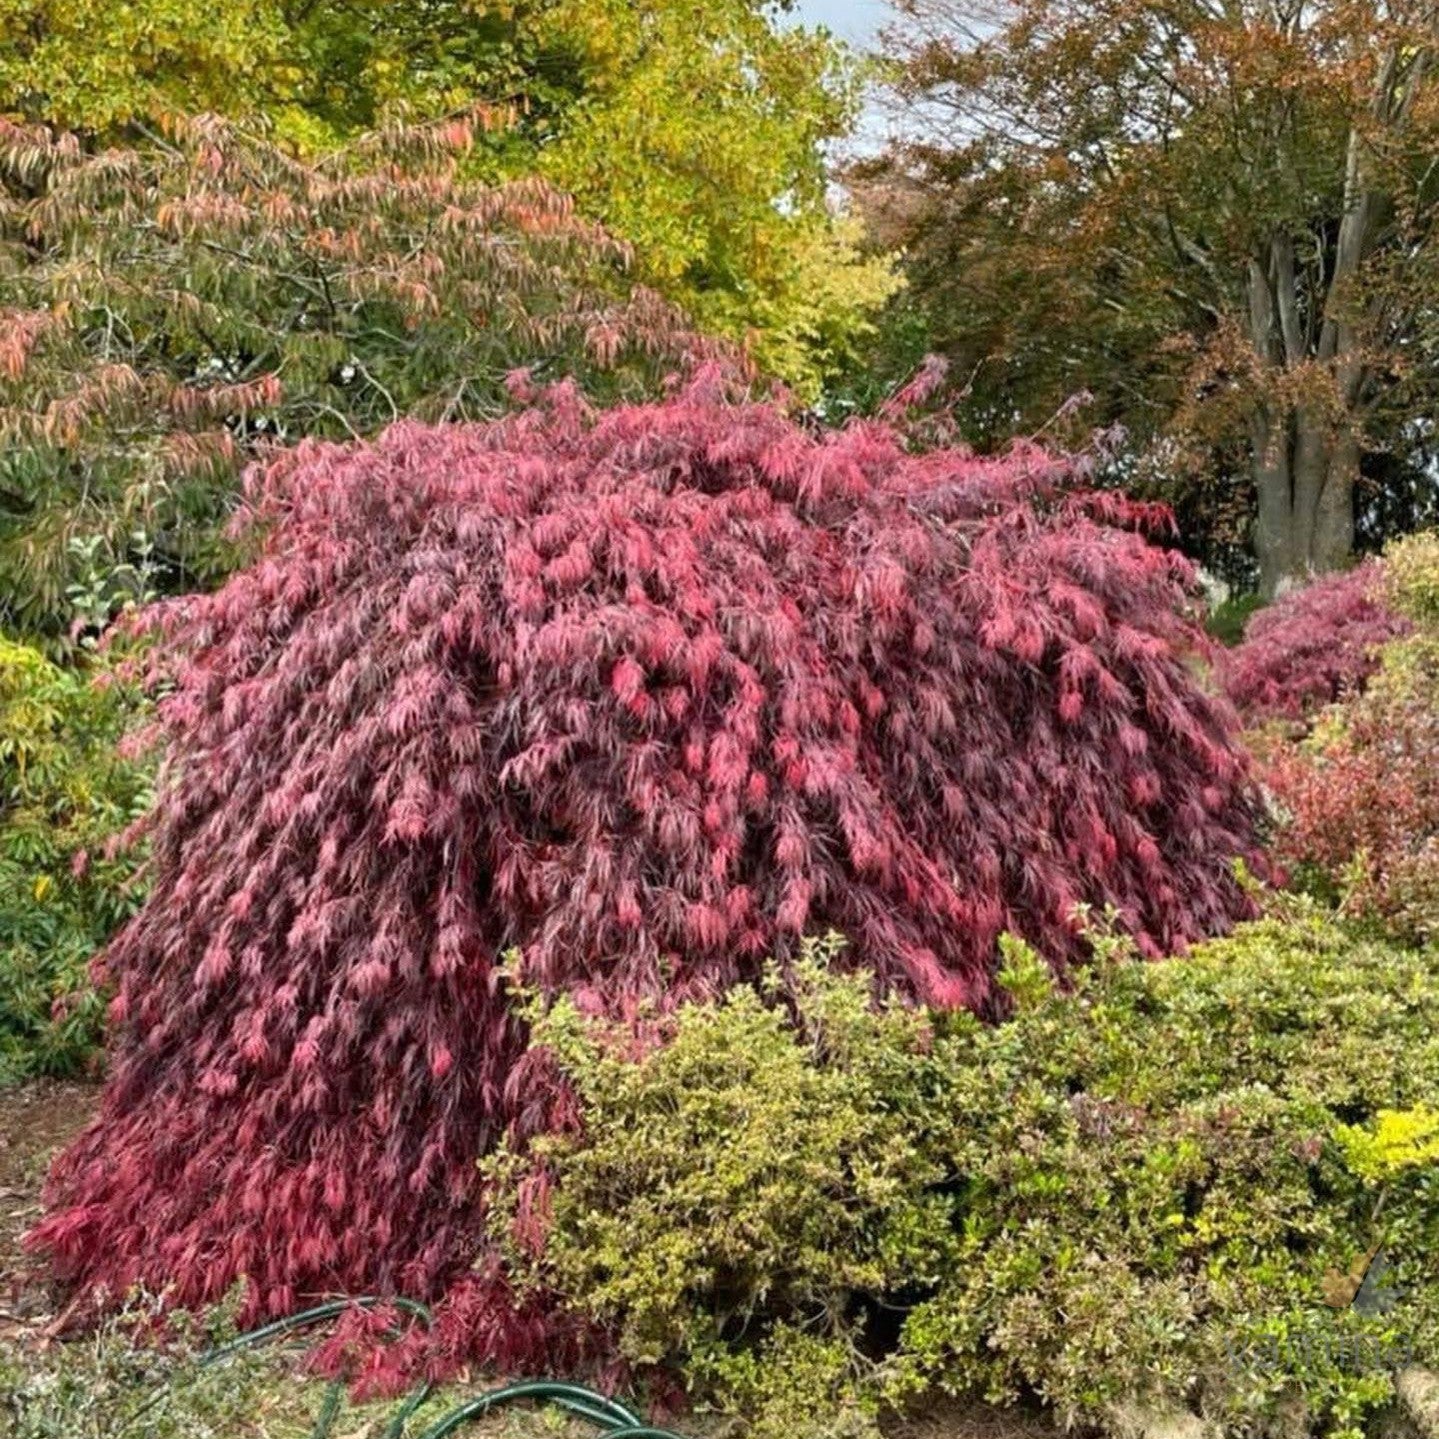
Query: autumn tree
[170, 309]
[616, 704]
[1216, 216]
[693, 130]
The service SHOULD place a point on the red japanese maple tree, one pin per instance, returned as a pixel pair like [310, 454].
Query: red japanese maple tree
[643, 696]
[1312, 646]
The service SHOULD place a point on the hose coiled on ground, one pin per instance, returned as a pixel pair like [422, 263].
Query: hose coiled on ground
[611, 1418]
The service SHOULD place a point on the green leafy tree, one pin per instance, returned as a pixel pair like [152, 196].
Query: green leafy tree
[1217, 217]
[322, 72]
[694, 130]
[172, 309]
[698, 135]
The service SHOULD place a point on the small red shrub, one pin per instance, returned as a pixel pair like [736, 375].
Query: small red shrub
[646, 696]
[1311, 646]
[1361, 811]
[1360, 797]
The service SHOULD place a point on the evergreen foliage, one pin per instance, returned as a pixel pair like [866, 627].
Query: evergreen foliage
[66, 795]
[1158, 1193]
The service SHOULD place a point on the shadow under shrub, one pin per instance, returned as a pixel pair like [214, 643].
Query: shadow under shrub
[1161, 1188]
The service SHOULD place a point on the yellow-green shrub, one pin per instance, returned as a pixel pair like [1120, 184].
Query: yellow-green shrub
[1411, 577]
[64, 791]
[1148, 1190]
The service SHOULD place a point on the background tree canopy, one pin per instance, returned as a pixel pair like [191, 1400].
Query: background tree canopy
[1217, 217]
[693, 130]
[170, 310]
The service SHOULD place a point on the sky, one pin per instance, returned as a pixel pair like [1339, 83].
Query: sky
[856, 21]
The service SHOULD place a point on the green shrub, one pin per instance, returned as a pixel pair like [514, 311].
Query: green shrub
[1162, 1188]
[1411, 573]
[749, 1174]
[1227, 619]
[64, 790]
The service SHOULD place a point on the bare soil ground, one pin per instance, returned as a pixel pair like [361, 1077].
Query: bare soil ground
[37, 1118]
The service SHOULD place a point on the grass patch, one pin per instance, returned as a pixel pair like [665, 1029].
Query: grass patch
[112, 1384]
[1226, 621]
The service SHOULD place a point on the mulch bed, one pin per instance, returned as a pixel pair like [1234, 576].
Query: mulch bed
[36, 1118]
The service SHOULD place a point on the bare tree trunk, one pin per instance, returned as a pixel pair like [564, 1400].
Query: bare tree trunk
[1306, 465]
[1274, 529]
[1333, 541]
[1304, 476]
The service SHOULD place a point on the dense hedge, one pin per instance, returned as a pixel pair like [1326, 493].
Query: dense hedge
[647, 695]
[1157, 1192]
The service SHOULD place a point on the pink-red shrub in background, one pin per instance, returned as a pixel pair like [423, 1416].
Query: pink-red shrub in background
[1360, 805]
[1311, 646]
[645, 695]
[1359, 798]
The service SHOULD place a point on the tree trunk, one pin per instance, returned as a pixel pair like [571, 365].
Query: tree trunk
[1304, 475]
[1333, 543]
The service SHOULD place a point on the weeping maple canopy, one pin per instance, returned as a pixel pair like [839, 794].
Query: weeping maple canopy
[1312, 646]
[644, 696]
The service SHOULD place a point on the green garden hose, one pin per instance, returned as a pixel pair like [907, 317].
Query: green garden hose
[609, 1416]
[330, 1409]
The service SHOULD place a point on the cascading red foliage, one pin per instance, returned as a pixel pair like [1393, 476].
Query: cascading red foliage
[1311, 646]
[645, 695]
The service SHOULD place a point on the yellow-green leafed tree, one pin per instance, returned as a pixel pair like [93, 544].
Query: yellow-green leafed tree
[695, 131]
[95, 65]
[320, 70]
[698, 136]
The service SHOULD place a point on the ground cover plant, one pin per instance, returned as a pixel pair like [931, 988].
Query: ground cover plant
[645, 695]
[121, 1380]
[1158, 1192]
[118, 1380]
